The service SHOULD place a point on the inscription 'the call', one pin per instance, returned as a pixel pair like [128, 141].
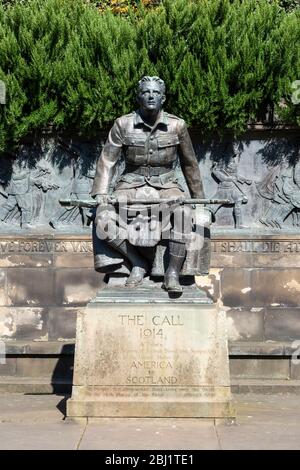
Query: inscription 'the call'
[156, 320]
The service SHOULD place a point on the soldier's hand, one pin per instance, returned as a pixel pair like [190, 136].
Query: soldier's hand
[176, 201]
[102, 199]
[244, 180]
[179, 199]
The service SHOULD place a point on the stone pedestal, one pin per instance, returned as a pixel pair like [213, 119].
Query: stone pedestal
[140, 353]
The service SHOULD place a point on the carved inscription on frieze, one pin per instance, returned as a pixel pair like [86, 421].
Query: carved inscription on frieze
[45, 246]
[255, 246]
[35, 246]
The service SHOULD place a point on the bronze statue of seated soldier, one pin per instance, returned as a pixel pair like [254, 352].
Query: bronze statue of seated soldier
[156, 229]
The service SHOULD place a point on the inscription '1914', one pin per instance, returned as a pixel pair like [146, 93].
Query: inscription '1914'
[155, 328]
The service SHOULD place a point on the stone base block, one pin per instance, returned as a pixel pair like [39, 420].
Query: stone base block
[135, 358]
[146, 409]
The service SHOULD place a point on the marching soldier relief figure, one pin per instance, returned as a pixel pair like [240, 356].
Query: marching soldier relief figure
[230, 186]
[18, 194]
[151, 141]
[24, 202]
[281, 187]
[83, 176]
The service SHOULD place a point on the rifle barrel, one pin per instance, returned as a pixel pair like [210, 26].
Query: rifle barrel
[115, 202]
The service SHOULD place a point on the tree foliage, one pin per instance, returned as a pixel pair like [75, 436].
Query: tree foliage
[68, 64]
[289, 5]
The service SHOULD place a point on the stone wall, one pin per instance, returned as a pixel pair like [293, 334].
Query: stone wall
[47, 273]
[45, 279]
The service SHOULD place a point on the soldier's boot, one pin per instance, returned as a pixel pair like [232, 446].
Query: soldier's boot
[284, 211]
[237, 212]
[177, 256]
[86, 218]
[139, 265]
[26, 219]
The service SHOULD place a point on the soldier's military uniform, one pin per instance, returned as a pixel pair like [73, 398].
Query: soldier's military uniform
[19, 194]
[229, 188]
[281, 187]
[80, 189]
[151, 155]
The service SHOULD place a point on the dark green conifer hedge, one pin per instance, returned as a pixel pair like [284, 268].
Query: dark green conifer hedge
[68, 65]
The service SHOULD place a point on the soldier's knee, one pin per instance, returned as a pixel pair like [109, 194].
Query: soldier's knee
[106, 223]
[103, 218]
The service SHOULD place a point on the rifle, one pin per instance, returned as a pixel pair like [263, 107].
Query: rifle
[114, 201]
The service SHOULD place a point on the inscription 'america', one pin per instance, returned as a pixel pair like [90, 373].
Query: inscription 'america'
[151, 365]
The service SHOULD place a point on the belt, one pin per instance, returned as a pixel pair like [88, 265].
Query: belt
[148, 171]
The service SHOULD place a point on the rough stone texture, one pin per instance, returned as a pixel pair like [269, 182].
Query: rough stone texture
[33, 286]
[41, 436]
[31, 409]
[260, 287]
[62, 323]
[24, 323]
[68, 260]
[245, 325]
[9, 367]
[44, 348]
[53, 367]
[28, 260]
[260, 368]
[30, 287]
[248, 248]
[210, 284]
[3, 291]
[136, 359]
[264, 423]
[46, 277]
[36, 422]
[295, 366]
[282, 324]
[36, 366]
[161, 434]
[72, 288]
[266, 386]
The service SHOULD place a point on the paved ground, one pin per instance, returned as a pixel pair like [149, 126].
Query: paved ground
[37, 422]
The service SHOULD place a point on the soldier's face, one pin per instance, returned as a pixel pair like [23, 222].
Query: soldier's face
[151, 97]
